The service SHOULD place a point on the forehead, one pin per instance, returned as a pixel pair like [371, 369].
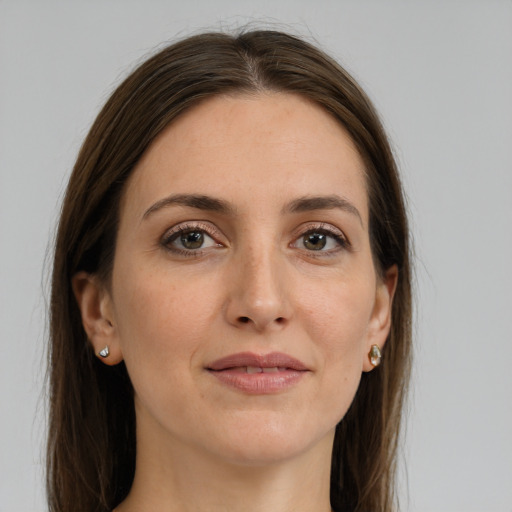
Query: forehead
[278, 145]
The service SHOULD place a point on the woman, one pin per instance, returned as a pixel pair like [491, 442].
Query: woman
[231, 266]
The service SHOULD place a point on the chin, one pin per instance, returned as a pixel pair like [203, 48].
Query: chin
[270, 441]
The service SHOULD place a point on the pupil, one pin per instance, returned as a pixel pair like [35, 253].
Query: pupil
[315, 241]
[192, 240]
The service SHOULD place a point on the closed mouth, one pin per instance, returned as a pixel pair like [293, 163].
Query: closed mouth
[254, 374]
[249, 362]
[256, 369]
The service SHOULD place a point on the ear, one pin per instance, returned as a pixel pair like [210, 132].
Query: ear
[96, 309]
[380, 321]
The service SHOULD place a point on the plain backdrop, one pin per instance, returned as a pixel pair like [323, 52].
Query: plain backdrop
[439, 72]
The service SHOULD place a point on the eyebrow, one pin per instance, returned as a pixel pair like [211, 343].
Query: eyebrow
[331, 202]
[199, 201]
[299, 205]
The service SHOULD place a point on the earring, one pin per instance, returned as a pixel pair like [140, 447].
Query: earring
[105, 352]
[375, 355]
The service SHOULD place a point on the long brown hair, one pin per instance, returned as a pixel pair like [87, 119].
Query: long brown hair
[91, 443]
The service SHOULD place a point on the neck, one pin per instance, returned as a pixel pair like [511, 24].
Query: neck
[174, 478]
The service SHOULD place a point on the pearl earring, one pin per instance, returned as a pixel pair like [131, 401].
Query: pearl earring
[105, 352]
[375, 355]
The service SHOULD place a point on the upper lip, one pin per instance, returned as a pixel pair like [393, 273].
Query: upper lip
[271, 360]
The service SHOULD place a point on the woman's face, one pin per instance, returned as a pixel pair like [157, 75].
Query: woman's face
[244, 298]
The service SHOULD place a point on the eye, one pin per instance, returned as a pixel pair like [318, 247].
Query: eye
[321, 240]
[317, 241]
[188, 240]
[193, 240]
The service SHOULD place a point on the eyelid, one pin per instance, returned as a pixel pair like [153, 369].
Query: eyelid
[323, 227]
[191, 225]
[209, 229]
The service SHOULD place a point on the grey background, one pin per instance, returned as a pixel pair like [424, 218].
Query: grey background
[440, 73]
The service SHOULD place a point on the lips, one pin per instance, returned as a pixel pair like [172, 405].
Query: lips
[267, 361]
[258, 374]
[257, 369]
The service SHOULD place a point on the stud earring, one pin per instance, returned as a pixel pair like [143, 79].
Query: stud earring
[375, 355]
[105, 352]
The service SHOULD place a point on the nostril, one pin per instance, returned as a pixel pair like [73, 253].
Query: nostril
[248, 320]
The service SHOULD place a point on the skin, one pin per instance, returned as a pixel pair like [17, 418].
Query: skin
[254, 285]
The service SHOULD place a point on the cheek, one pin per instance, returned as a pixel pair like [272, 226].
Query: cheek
[161, 321]
[338, 316]
[338, 321]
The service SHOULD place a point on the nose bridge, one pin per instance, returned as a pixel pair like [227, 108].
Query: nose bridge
[258, 299]
[261, 276]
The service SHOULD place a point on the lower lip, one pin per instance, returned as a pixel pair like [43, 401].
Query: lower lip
[259, 383]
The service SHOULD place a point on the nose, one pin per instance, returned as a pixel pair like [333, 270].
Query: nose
[259, 293]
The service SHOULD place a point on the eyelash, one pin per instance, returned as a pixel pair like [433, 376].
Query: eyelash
[322, 229]
[197, 227]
